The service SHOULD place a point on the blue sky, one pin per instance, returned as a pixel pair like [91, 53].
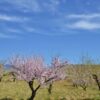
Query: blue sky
[66, 28]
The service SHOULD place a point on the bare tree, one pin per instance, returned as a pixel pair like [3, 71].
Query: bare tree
[79, 76]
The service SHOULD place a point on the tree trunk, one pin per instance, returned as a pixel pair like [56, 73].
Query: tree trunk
[32, 95]
[95, 77]
[0, 79]
[50, 89]
[33, 90]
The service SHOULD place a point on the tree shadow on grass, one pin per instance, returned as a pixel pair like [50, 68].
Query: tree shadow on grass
[6, 99]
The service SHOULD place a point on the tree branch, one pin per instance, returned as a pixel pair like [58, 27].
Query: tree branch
[31, 85]
[37, 87]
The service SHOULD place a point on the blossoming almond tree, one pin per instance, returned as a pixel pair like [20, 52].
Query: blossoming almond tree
[57, 70]
[33, 68]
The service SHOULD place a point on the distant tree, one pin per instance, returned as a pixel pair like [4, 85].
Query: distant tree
[33, 68]
[11, 75]
[79, 76]
[87, 60]
[80, 82]
[56, 61]
[57, 67]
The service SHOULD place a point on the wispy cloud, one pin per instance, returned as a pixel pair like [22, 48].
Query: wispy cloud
[84, 21]
[47, 32]
[6, 36]
[25, 4]
[41, 23]
[84, 16]
[51, 5]
[35, 5]
[5, 17]
[14, 31]
[9, 25]
[85, 25]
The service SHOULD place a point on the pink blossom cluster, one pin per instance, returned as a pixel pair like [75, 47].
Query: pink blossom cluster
[34, 68]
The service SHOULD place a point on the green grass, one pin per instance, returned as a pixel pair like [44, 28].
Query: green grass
[61, 91]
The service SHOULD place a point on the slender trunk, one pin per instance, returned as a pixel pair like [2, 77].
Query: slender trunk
[95, 77]
[33, 90]
[32, 95]
[50, 89]
[0, 79]
[75, 85]
[14, 77]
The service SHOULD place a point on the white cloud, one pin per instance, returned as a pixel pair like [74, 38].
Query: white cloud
[35, 5]
[10, 18]
[84, 21]
[85, 25]
[28, 5]
[84, 16]
[30, 29]
[25, 5]
[6, 36]
[14, 30]
[52, 5]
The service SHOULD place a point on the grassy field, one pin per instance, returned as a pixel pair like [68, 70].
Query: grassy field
[62, 90]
